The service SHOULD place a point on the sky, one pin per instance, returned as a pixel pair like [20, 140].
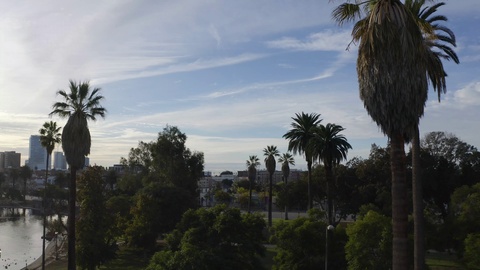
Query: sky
[229, 74]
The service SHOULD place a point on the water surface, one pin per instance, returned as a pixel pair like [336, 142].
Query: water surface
[20, 238]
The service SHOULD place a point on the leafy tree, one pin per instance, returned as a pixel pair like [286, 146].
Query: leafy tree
[215, 238]
[25, 174]
[369, 243]
[298, 138]
[298, 245]
[252, 164]
[270, 152]
[472, 246]
[222, 196]
[95, 245]
[156, 210]
[393, 88]
[61, 179]
[13, 173]
[286, 160]
[465, 206]
[49, 137]
[80, 105]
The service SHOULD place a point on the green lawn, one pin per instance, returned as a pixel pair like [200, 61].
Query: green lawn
[443, 261]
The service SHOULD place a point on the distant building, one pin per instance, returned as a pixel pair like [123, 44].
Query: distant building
[59, 161]
[87, 162]
[9, 159]
[37, 159]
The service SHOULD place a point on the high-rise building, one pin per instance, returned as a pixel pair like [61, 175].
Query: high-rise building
[9, 159]
[59, 161]
[37, 154]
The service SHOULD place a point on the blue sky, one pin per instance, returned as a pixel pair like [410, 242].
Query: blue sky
[230, 74]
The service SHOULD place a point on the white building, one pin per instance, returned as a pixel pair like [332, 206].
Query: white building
[59, 161]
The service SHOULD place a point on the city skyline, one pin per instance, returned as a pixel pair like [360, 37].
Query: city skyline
[228, 74]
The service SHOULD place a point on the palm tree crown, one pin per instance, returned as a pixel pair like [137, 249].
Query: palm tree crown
[80, 105]
[252, 164]
[50, 135]
[270, 152]
[328, 145]
[286, 159]
[302, 131]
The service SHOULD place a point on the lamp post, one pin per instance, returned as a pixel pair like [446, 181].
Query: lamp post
[56, 247]
[327, 238]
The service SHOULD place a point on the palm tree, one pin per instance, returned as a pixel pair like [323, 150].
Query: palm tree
[437, 39]
[270, 163]
[286, 159]
[330, 147]
[252, 164]
[393, 88]
[49, 136]
[298, 137]
[80, 105]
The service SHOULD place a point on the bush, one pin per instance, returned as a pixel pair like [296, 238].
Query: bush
[472, 251]
[369, 243]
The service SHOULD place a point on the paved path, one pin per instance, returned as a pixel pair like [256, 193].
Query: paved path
[49, 254]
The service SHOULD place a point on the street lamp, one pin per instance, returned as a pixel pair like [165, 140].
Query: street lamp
[327, 251]
[56, 247]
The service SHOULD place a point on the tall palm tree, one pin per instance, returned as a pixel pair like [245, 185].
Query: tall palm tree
[393, 88]
[270, 153]
[80, 105]
[252, 164]
[330, 147]
[49, 137]
[298, 137]
[286, 160]
[437, 40]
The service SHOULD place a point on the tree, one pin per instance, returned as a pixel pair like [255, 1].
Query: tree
[270, 152]
[80, 105]
[252, 164]
[298, 138]
[214, 238]
[49, 137]
[437, 41]
[330, 148]
[369, 243]
[286, 159]
[298, 241]
[94, 244]
[393, 88]
[14, 174]
[25, 174]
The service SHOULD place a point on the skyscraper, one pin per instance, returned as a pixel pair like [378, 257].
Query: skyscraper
[38, 154]
[59, 161]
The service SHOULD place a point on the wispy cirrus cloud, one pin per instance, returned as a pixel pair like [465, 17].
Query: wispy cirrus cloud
[327, 40]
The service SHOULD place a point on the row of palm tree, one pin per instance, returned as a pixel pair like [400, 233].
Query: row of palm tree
[316, 142]
[401, 47]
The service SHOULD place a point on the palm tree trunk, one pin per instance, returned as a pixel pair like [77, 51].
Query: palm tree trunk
[44, 214]
[249, 196]
[329, 178]
[71, 218]
[309, 167]
[418, 225]
[286, 198]
[399, 202]
[270, 187]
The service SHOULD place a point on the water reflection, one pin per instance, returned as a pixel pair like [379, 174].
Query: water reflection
[20, 237]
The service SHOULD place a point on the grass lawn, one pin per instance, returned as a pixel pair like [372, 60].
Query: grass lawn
[443, 261]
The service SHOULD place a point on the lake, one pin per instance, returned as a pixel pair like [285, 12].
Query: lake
[20, 238]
